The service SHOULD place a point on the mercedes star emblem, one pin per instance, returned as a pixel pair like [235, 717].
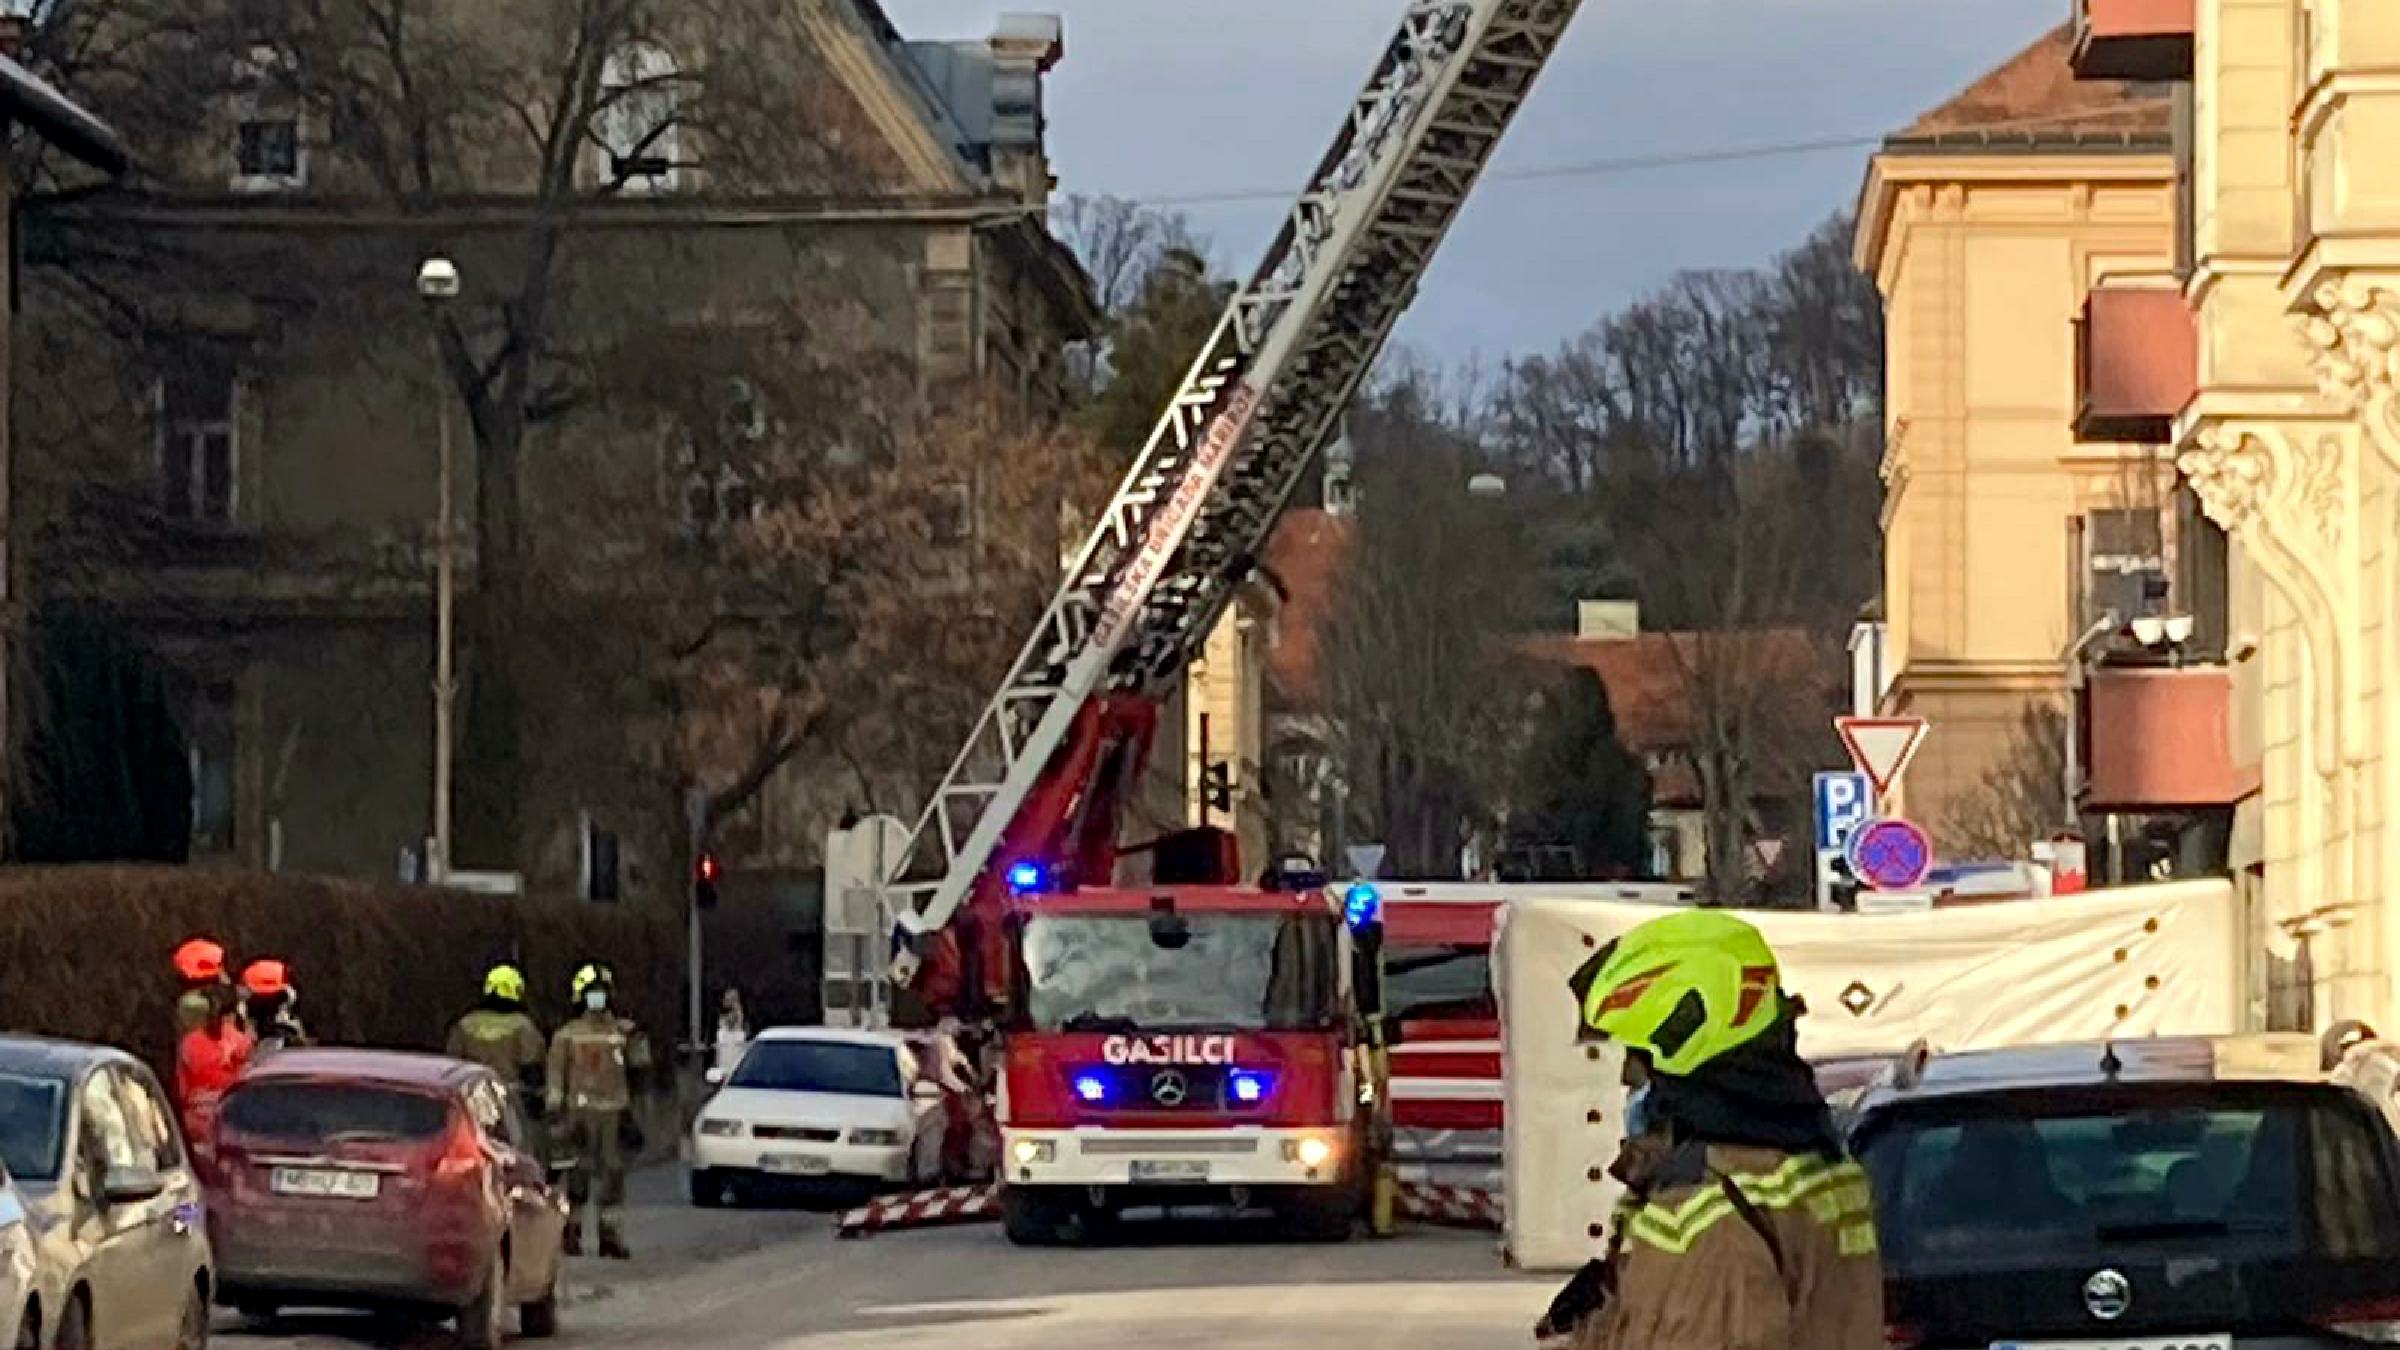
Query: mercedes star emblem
[2108, 1294]
[1169, 1088]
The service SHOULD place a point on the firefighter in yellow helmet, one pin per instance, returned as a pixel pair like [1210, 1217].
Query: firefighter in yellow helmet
[1744, 1223]
[594, 1062]
[500, 1035]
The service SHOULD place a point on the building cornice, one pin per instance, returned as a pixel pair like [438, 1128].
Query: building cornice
[1897, 167]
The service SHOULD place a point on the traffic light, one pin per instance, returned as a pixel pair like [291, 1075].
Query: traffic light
[1217, 786]
[705, 874]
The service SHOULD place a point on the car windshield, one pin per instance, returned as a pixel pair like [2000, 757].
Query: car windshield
[820, 1066]
[333, 1112]
[1270, 972]
[33, 1125]
[2027, 1180]
[1438, 982]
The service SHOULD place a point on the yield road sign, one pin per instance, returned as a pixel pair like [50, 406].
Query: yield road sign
[1891, 854]
[1881, 747]
[1844, 802]
[1366, 860]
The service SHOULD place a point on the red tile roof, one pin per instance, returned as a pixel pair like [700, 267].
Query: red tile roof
[2033, 99]
[1304, 557]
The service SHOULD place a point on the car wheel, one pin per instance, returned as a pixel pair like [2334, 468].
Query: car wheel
[1032, 1218]
[191, 1331]
[479, 1322]
[74, 1326]
[538, 1320]
[710, 1189]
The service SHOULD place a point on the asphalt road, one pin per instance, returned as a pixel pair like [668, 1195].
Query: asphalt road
[780, 1280]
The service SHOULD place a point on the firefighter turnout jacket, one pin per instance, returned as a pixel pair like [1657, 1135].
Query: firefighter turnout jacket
[592, 1061]
[504, 1040]
[1734, 1247]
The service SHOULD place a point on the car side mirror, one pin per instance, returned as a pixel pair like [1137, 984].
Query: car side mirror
[131, 1185]
[925, 1090]
[713, 1076]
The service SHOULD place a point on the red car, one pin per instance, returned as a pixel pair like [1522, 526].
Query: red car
[374, 1179]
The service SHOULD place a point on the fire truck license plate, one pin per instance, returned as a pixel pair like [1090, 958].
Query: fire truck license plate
[2161, 1343]
[1179, 1173]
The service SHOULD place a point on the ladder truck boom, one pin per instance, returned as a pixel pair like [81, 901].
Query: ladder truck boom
[1185, 527]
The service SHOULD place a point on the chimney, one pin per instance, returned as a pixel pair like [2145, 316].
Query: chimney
[1607, 620]
[1024, 49]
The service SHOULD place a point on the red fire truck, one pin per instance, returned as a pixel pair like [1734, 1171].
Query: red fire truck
[1007, 904]
[1183, 1046]
[1438, 999]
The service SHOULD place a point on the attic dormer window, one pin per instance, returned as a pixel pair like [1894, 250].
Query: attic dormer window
[270, 153]
[637, 121]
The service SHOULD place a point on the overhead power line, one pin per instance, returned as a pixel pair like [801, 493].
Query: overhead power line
[1602, 168]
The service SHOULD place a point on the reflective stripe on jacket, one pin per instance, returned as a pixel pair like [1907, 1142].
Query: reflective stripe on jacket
[1735, 1248]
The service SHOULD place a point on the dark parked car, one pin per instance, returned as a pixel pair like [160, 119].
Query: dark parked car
[2200, 1194]
[121, 1261]
[372, 1179]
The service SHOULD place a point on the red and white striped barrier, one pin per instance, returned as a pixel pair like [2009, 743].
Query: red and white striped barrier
[922, 1209]
[1451, 1206]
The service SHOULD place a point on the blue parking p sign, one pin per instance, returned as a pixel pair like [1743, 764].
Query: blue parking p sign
[1845, 801]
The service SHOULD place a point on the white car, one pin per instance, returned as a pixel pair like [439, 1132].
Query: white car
[20, 1318]
[817, 1104]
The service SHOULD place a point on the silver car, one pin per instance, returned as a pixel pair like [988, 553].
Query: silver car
[120, 1242]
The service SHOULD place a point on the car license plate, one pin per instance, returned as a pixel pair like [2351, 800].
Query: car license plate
[325, 1183]
[796, 1164]
[2150, 1343]
[1179, 1173]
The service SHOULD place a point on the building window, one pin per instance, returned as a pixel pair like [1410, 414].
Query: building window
[268, 154]
[638, 121]
[269, 148]
[2125, 566]
[198, 446]
[951, 513]
[209, 747]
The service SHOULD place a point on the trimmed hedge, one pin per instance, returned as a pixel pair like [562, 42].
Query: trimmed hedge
[86, 953]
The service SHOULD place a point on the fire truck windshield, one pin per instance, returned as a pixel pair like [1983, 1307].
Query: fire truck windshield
[1260, 972]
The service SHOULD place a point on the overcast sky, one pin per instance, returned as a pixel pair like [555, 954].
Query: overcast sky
[1187, 98]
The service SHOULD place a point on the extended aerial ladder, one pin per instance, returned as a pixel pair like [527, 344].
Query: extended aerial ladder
[1047, 770]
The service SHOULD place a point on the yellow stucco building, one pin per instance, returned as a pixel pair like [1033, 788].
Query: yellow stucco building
[2217, 306]
[1985, 224]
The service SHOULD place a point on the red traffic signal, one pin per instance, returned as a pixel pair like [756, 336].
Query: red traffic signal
[705, 873]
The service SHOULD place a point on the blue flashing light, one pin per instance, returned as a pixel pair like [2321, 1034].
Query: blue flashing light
[1249, 1089]
[1091, 1087]
[1361, 905]
[1028, 878]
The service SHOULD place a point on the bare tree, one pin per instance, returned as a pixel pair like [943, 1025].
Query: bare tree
[2023, 794]
[1423, 689]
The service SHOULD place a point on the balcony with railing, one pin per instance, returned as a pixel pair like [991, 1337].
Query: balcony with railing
[2133, 39]
[2137, 353]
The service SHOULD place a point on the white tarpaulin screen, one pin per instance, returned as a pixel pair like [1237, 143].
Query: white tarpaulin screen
[2141, 961]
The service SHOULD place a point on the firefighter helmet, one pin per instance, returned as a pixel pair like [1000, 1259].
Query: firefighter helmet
[1684, 989]
[200, 959]
[505, 981]
[264, 978]
[593, 974]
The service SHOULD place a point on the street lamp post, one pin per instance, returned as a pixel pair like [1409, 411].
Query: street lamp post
[437, 286]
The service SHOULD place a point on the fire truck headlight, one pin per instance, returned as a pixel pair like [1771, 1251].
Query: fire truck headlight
[1027, 1152]
[1308, 1152]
